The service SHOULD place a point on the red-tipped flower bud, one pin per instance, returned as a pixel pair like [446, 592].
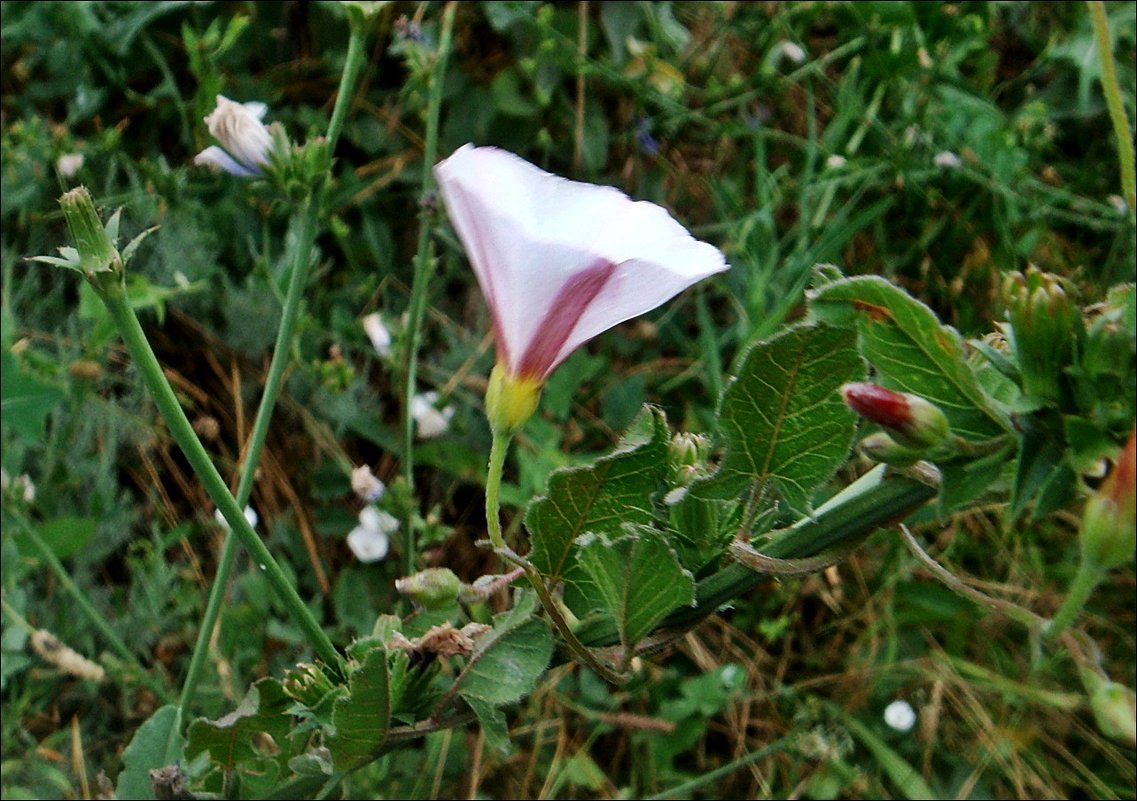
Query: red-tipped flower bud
[912, 421]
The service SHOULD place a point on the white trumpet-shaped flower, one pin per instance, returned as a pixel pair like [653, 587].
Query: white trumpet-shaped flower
[559, 262]
[246, 142]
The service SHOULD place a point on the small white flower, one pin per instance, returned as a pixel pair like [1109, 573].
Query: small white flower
[946, 160]
[245, 141]
[790, 51]
[1118, 203]
[835, 162]
[899, 715]
[68, 164]
[430, 421]
[366, 485]
[370, 540]
[378, 334]
[250, 515]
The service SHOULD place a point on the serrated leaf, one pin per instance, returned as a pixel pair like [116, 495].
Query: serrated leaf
[599, 497]
[508, 659]
[912, 351]
[231, 740]
[362, 717]
[492, 720]
[638, 577]
[783, 419]
[146, 752]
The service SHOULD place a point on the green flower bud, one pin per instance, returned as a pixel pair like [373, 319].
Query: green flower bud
[688, 455]
[1114, 706]
[433, 587]
[308, 684]
[912, 421]
[1045, 324]
[1109, 522]
[95, 246]
[880, 447]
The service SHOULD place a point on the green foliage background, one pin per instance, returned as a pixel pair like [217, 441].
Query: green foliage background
[841, 156]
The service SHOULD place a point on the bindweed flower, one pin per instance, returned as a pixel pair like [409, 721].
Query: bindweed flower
[559, 262]
[911, 421]
[370, 540]
[246, 142]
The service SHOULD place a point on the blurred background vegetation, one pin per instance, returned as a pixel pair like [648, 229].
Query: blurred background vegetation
[940, 145]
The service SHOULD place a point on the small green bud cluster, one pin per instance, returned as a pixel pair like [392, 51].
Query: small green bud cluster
[688, 454]
[307, 684]
[1045, 323]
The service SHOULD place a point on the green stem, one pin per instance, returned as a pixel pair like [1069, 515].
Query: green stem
[352, 67]
[1113, 100]
[424, 267]
[493, 487]
[113, 294]
[85, 607]
[1085, 580]
[498, 450]
[309, 218]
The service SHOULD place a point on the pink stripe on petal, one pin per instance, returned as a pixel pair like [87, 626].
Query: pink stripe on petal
[561, 318]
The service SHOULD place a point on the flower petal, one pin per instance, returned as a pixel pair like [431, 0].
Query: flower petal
[530, 234]
[368, 544]
[215, 157]
[237, 126]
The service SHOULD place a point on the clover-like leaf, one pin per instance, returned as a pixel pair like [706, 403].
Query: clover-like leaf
[782, 418]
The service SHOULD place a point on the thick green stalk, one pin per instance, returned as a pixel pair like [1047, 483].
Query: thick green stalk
[1113, 101]
[113, 293]
[85, 607]
[878, 499]
[424, 267]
